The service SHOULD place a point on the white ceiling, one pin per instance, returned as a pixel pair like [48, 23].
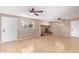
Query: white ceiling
[51, 13]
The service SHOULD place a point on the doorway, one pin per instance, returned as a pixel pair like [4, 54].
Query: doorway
[45, 30]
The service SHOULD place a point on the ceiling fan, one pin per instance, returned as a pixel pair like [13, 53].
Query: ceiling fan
[35, 12]
[60, 19]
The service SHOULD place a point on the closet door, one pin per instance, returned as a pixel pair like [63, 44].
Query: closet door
[9, 29]
[75, 28]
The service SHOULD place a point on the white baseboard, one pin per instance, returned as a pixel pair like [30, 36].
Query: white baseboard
[29, 37]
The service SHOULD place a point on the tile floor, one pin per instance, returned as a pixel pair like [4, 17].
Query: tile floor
[46, 44]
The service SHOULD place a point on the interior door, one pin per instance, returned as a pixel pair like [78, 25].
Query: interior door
[9, 29]
[75, 28]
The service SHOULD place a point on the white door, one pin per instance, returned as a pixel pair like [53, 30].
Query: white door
[9, 29]
[75, 28]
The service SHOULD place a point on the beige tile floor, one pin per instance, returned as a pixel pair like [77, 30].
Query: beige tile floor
[46, 44]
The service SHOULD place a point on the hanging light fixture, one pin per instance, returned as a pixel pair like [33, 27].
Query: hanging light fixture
[59, 22]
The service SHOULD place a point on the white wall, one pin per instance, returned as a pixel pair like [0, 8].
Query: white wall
[28, 33]
[44, 23]
[63, 30]
[25, 33]
[69, 28]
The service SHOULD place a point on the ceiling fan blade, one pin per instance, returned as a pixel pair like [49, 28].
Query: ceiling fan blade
[38, 11]
[36, 14]
[33, 9]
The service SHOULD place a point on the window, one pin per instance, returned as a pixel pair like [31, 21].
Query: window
[30, 24]
[27, 24]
